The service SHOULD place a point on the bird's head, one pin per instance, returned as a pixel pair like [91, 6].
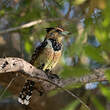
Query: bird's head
[56, 33]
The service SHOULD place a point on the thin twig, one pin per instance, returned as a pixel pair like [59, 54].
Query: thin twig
[7, 87]
[66, 90]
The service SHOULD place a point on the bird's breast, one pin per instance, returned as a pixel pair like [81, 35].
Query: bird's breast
[49, 57]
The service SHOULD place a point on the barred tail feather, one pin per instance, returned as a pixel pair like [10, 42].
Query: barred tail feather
[26, 93]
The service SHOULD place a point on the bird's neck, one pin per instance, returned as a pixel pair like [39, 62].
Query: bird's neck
[54, 44]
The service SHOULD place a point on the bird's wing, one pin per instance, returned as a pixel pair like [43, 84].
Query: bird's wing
[38, 51]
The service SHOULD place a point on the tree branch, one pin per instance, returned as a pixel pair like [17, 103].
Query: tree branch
[17, 65]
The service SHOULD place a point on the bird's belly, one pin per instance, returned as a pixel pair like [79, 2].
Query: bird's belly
[55, 59]
[48, 59]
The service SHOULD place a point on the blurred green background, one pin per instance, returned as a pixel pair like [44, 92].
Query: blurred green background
[86, 48]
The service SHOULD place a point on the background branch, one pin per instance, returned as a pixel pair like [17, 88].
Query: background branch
[32, 23]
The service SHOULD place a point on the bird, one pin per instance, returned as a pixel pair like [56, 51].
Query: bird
[45, 57]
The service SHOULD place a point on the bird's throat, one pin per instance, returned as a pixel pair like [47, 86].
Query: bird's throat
[52, 43]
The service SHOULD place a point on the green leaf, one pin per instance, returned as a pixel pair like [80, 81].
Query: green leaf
[107, 73]
[77, 71]
[28, 47]
[106, 92]
[71, 106]
[97, 104]
[94, 53]
[2, 12]
[53, 93]
[79, 2]
[5, 94]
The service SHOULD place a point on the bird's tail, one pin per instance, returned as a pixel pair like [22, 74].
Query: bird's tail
[26, 93]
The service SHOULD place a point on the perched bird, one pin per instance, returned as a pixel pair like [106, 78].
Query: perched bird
[45, 57]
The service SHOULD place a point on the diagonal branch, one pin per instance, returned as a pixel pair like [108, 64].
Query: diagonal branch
[21, 27]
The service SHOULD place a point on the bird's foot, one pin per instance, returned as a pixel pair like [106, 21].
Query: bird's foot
[51, 76]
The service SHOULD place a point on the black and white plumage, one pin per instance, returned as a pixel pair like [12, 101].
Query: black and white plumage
[26, 92]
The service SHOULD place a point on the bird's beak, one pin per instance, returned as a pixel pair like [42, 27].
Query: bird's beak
[64, 33]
